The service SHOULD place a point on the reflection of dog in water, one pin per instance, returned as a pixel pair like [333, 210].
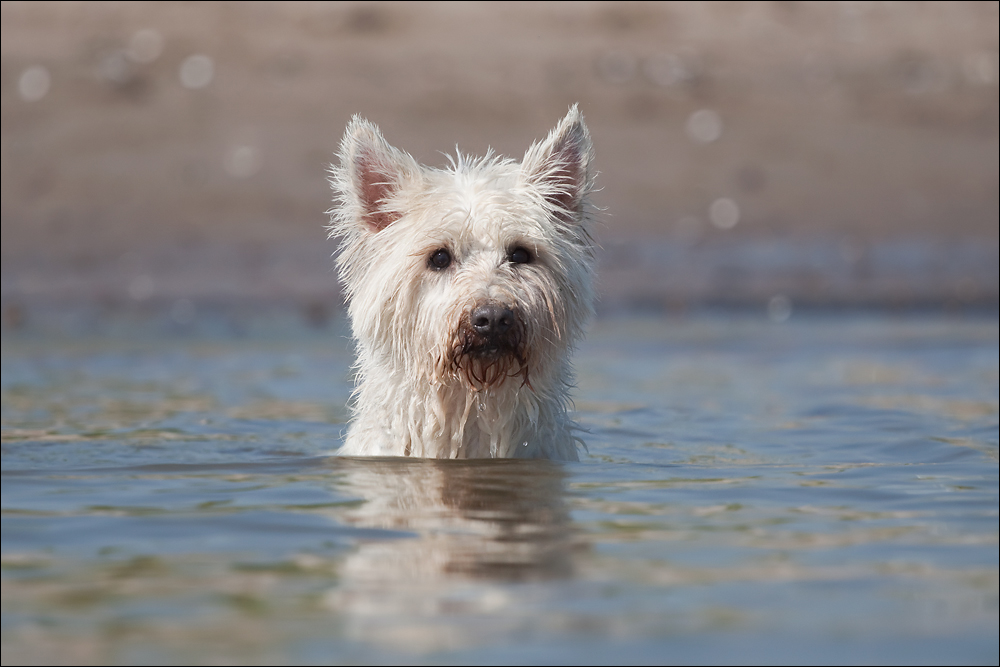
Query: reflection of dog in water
[450, 540]
[467, 289]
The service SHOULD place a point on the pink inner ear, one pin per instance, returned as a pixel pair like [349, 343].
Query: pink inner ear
[375, 185]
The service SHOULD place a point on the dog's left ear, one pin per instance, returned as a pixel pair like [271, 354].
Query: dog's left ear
[371, 172]
[560, 165]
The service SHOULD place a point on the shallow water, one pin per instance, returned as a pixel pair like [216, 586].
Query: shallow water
[822, 490]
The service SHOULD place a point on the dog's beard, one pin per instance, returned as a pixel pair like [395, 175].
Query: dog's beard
[486, 362]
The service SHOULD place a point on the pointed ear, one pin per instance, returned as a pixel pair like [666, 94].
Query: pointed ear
[560, 165]
[370, 173]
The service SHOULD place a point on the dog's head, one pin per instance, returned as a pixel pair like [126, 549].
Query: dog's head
[480, 272]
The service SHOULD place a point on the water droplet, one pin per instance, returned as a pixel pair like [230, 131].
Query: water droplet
[34, 83]
[724, 213]
[666, 70]
[779, 308]
[197, 71]
[524, 444]
[704, 125]
[145, 46]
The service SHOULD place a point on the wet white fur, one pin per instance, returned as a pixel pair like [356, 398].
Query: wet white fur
[409, 400]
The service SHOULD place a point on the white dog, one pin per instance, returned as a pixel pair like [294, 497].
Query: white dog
[467, 288]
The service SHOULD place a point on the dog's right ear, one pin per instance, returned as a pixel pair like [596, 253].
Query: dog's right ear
[371, 172]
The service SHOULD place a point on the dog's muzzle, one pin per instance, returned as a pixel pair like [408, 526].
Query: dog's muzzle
[494, 329]
[490, 345]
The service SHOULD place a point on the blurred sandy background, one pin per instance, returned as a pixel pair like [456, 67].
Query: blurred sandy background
[172, 155]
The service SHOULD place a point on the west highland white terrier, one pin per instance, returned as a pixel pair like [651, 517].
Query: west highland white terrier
[467, 289]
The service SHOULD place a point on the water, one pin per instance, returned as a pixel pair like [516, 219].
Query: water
[822, 490]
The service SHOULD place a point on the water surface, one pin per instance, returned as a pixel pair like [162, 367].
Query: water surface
[822, 490]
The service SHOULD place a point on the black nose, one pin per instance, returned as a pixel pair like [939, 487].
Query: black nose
[492, 320]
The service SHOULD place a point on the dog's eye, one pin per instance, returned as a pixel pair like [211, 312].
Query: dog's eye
[519, 255]
[439, 259]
